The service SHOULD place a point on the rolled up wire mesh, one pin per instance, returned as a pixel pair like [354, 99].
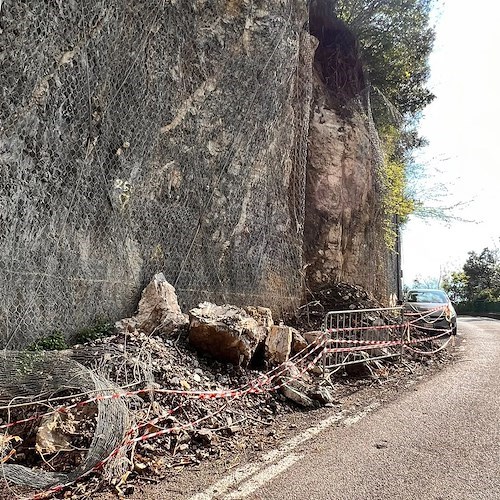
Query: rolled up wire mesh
[28, 376]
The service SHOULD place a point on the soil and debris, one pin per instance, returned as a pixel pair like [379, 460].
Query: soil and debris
[337, 297]
[184, 406]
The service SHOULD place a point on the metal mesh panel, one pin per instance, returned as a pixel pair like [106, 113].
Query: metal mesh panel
[138, 137]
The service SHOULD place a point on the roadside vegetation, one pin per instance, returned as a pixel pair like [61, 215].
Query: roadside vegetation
[478, 281]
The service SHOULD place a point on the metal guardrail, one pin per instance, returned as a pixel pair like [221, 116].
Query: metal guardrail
[363, 335]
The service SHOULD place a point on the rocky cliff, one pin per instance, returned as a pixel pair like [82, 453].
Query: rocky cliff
[145, 136]
[343, 229]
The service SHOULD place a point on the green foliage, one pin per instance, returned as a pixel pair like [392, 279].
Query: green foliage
[396, 202]
[456, 286]
[483, 273]
[479, 279]
[55, 341]
[99, 330]
[395, 41]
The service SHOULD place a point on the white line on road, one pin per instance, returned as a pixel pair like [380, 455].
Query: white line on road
[255, 482]
[246, 471]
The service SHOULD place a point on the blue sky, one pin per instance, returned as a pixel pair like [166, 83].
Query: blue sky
[461, 126]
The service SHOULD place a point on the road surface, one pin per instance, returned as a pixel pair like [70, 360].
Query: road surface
[438, 441]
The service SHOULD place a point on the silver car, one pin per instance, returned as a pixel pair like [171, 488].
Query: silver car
[430, 310]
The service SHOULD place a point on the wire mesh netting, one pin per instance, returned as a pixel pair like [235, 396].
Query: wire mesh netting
[144, 136]
[28, 376]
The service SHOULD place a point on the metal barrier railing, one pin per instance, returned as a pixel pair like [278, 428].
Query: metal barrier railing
[363, 335]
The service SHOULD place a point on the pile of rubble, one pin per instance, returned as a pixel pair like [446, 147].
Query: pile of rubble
[190, 383]
[334, 297]
[194, 387]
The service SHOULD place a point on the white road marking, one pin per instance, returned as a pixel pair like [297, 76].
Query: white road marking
[356, 418]
[255, 482]
[246, 471]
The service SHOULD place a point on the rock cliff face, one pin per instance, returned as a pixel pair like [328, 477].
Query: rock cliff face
[145, 136]
[148, 136]
[343, 237]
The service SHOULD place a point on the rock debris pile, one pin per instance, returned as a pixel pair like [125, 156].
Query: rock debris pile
[336, 297]
[190, 387]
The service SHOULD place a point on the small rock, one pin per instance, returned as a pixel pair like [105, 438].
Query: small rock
[316, 370]
[205, 436]
[381, 444]
[297, 396]
[323, 395]
[196, 377]
[313, 337]
[139, 467]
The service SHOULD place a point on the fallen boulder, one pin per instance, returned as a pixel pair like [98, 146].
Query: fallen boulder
[226, 332]
[299, 343]
[278, 344]
[158, 310]
[297, 387]
[313, 337]
[262, 315]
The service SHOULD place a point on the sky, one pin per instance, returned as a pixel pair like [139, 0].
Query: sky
[461, 126]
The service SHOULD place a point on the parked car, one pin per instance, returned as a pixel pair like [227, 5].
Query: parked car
[430, 309]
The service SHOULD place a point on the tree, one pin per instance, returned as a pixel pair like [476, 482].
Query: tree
[396, 202]
[456, 286]
[483, 273]
[479, 278]
[395, 41]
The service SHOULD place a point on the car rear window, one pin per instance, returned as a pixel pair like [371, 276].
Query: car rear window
[428, 296]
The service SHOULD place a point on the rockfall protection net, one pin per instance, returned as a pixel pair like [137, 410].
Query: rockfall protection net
[29, 376]
[145, 136]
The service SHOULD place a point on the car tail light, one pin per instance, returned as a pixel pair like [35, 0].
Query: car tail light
[447, 313]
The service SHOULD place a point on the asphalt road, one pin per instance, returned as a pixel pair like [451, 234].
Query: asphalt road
[440, 440]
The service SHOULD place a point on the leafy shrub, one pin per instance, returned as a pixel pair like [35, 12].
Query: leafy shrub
[55, 341]
[99, 330]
